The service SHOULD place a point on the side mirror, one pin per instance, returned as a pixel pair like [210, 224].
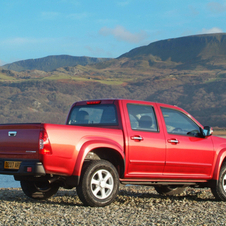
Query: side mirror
[207, 131]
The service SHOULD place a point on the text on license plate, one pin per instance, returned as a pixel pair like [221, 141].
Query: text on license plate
[11, 165]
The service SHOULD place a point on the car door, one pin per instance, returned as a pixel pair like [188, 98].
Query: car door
[188, 154]
[146, 143]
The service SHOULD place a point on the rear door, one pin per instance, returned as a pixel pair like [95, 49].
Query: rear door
[145, 150]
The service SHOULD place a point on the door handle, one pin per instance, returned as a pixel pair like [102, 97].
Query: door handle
[173, 141]
[137, 138]
[12, 133]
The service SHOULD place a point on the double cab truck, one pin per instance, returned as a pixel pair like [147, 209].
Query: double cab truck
[110, 141]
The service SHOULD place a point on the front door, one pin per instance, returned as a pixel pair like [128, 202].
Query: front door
[188, 154]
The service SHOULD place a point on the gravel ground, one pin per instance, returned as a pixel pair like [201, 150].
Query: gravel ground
[135, 205]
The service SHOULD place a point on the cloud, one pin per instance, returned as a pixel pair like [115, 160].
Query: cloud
[193, 11]
[56, 15]
[73, 2]
[121, 34]
[98, 51]
[123, 3]
[49, 15]
[216, 7]
[212, 30]
[17, 41]
[78, 16]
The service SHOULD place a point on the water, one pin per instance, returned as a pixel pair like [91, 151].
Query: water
[7, 181]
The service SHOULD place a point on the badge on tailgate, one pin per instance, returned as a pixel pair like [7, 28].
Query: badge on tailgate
[12, 165]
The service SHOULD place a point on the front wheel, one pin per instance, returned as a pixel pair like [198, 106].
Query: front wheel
[39, 189]
[99, 184]
[169, 190]
[219, 188]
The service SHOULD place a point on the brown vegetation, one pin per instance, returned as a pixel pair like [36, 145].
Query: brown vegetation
[198, 86]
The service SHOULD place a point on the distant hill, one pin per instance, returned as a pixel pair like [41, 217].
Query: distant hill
[204, 50]
[189, 72]
[208, 51]
[51, 63]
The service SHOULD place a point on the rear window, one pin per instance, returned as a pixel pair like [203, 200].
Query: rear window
[93, 115]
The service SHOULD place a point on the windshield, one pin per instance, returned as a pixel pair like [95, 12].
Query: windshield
[104, 114]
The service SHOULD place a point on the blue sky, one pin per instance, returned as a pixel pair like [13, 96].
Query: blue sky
[100, 28]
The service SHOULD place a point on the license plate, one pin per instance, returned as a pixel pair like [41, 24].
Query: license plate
[11, 165]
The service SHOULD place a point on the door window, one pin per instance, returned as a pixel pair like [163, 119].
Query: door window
[179, 123]
[142, 117]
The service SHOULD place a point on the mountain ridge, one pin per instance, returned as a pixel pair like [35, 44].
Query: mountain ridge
[179, 52]
[188, 44]
[50, 63]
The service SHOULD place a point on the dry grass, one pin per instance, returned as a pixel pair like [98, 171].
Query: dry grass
[219, 132]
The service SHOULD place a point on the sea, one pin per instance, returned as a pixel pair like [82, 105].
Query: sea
[7, 181]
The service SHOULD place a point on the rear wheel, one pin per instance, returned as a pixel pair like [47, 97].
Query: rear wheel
[169, 190]
[219, 188]
[39, 189]
[99, 184]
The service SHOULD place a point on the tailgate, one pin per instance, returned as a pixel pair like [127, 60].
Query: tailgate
[19, 141]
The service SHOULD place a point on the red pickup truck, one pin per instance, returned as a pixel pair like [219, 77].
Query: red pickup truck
[112, 141]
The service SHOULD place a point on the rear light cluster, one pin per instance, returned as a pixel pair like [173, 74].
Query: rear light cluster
[44, 143]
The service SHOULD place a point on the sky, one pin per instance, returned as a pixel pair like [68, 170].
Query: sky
[31, 29]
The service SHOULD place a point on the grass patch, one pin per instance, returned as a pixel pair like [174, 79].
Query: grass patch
[6, 77]
[111, 82]
[56, 77]
[106, 81]
[212, 80]
[103, 81]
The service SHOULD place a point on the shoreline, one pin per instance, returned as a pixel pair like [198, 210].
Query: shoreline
[7, 181]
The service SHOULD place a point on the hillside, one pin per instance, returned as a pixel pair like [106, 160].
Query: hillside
[50, 63]
[183, 53]
[196, 83]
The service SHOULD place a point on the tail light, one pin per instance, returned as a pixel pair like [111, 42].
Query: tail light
[44, 143]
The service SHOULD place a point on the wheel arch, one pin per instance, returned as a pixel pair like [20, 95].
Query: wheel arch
[110, 155]
[111, 152]
[221, 159]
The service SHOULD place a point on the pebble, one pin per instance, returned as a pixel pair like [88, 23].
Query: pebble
[135, 205]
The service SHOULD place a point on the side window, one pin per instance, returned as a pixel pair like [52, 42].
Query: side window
[179, 123]
[142, 117]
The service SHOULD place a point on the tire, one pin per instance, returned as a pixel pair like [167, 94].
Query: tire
[39, 190]
[169, 190]
[219, 188]
[99, 184]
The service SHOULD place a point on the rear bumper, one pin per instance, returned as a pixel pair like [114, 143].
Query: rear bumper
[27, 168]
